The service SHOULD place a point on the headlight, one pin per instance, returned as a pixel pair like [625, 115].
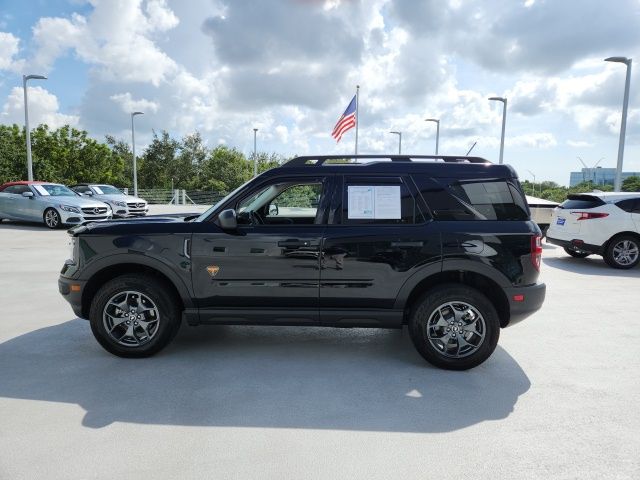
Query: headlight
[69, 208]
[118, 203]
[73, 243]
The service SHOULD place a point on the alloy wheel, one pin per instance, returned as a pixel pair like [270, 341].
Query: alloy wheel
[51, 218]
[456, 329]
[131, 318]
[625, 252]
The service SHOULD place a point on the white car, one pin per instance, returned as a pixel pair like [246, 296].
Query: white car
[122, 205]
[601, 223]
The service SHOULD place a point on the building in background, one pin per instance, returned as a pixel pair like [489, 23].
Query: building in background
[598, 175]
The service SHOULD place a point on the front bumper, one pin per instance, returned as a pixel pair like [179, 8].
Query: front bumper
[72, 291]
[524, 301]
[72, 218]
[576, 244]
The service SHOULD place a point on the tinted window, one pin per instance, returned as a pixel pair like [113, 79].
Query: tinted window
[581, 202]
[16, 189]
[626, 205]
[378, 200]
[289, 203]
[452, 199]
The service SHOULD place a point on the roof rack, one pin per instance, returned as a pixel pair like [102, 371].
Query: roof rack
[318, 160]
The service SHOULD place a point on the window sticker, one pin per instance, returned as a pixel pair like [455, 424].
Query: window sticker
[41, 190]
[374, 202]
[387, 202]
[98, 190]
[361, 202]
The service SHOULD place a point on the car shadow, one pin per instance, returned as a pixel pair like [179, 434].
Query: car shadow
[275, 377]
[592, 265]
[11, 225]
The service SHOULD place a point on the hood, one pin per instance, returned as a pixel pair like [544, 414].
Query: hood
[82, 202]
[152, 224]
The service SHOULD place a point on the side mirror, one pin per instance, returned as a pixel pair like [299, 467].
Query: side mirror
[228, 220]
[89, 193]
[27, 194]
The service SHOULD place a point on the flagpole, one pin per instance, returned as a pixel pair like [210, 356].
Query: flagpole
[357, 113]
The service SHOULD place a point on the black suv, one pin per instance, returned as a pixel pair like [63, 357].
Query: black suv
[444, 245]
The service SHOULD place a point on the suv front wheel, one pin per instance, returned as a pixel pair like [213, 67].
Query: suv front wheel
[454, 327]
[134, 316]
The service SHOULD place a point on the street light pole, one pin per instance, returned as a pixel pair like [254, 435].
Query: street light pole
[133, 150]
[399, 141]
[255, 153]
[26, 121]
[623, 124]
[504, 122]
[437, 122]
[534, 182]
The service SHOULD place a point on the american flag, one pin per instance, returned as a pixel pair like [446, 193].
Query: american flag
[346, 121]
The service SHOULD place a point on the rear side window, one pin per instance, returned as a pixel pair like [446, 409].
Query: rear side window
[632, 205]
[581, 202]
[478, 199]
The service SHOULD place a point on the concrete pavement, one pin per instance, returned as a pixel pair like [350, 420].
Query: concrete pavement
[558, 399]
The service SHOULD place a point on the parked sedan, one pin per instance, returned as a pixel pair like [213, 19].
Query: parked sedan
[51, 203]
[121, 204]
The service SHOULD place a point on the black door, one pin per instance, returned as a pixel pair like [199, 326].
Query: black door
[267, 271]
[377, 237]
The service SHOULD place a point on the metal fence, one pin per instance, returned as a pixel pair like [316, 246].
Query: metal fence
[177, 196]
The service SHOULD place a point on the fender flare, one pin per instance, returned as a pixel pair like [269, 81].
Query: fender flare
[96, 266]
[447, 266]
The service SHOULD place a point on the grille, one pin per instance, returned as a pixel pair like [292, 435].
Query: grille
[136, 205]
[95, 210]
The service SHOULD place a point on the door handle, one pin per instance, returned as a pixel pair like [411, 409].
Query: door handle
[293, 243]
[407, 244]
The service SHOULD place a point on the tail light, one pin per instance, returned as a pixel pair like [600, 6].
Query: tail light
[536, 251]
[590, 215]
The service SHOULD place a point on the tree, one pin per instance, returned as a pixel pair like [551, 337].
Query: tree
[225, 169]
[631, 184]
[13, 153]
[191, 159]
[157, 166]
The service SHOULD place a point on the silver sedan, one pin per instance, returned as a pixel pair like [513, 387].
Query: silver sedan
[51, 203]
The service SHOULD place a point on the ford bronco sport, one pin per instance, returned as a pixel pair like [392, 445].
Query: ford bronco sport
[444, 245]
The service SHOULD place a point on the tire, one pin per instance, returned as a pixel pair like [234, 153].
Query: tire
[155, 321]
[623, 252]
[51, 218]
[454, 298]
[576, 253]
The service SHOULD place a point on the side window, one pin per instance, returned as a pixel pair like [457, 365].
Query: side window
[378, 201]
[17, 189]
[282, 203]
[81, 189]
[477, 199]
[632, 205]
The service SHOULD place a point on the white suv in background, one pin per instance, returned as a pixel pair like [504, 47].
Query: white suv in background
[601, 223]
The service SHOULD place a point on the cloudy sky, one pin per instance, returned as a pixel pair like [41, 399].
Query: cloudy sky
[290, 67]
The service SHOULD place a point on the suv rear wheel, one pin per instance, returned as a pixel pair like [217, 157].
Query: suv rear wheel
[623, 252]
[575, 253]
[454, 327]
[134, 316]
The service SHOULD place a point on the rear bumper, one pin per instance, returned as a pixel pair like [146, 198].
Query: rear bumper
[524, 301]
[576, 244]
[71, 290]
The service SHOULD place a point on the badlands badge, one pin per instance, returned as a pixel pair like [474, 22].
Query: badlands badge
[213, 270]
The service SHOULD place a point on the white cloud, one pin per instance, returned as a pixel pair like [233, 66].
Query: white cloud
[9, 47]
[129, 105]
[43, 108]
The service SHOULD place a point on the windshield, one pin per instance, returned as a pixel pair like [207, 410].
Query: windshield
[106, 190]
[54, 190]
[210, 210]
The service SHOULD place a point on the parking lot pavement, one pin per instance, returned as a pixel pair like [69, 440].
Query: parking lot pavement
[558, 399]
